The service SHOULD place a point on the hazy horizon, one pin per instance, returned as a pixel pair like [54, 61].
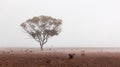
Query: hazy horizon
[86, 23]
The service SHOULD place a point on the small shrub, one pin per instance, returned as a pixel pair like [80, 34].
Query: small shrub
[71, 56]
[48, 61]
[83, 53]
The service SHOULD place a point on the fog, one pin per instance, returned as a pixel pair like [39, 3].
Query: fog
[86, 23]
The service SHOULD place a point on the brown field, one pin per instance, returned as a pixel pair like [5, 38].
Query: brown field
[19, 57]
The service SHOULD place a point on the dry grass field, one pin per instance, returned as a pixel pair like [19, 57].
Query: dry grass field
[59, 58]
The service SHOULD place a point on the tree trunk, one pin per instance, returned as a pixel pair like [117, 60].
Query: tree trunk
[41, 47]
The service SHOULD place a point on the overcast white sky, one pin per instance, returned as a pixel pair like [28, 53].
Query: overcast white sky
[86, 23]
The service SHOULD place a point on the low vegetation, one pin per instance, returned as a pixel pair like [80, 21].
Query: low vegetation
[29, 58]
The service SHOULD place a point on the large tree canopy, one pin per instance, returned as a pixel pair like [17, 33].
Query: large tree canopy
[42, 27]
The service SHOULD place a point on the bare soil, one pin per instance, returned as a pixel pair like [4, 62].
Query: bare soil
[59, 58]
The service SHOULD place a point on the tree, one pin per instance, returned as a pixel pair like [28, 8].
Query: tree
[42, 27]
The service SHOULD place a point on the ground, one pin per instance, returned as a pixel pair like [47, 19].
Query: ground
[23, 57]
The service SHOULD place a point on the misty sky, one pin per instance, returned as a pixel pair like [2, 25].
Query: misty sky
[86, 23]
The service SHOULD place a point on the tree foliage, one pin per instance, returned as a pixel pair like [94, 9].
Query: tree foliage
[42, 27]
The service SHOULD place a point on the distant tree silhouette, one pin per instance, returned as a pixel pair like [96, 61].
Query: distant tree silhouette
[41, 28]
